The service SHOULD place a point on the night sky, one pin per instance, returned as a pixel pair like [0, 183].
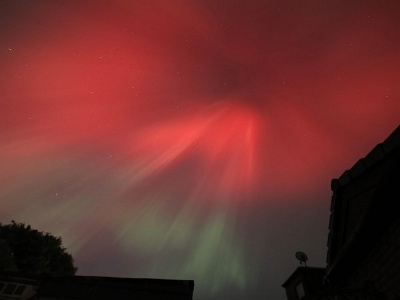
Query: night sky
[191, 139]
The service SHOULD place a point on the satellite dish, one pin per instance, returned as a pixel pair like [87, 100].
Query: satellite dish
[302, 257]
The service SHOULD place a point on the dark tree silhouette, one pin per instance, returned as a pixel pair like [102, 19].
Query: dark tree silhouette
[30, 251]
[6, 260]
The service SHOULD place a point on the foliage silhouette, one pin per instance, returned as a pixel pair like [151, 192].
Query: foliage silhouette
[6, 260]
[29, 251]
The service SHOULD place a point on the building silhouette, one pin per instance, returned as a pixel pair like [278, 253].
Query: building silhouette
[21, 287]
[363, 259]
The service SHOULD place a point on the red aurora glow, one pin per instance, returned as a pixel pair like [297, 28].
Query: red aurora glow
[114, 73]
[150, 128]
